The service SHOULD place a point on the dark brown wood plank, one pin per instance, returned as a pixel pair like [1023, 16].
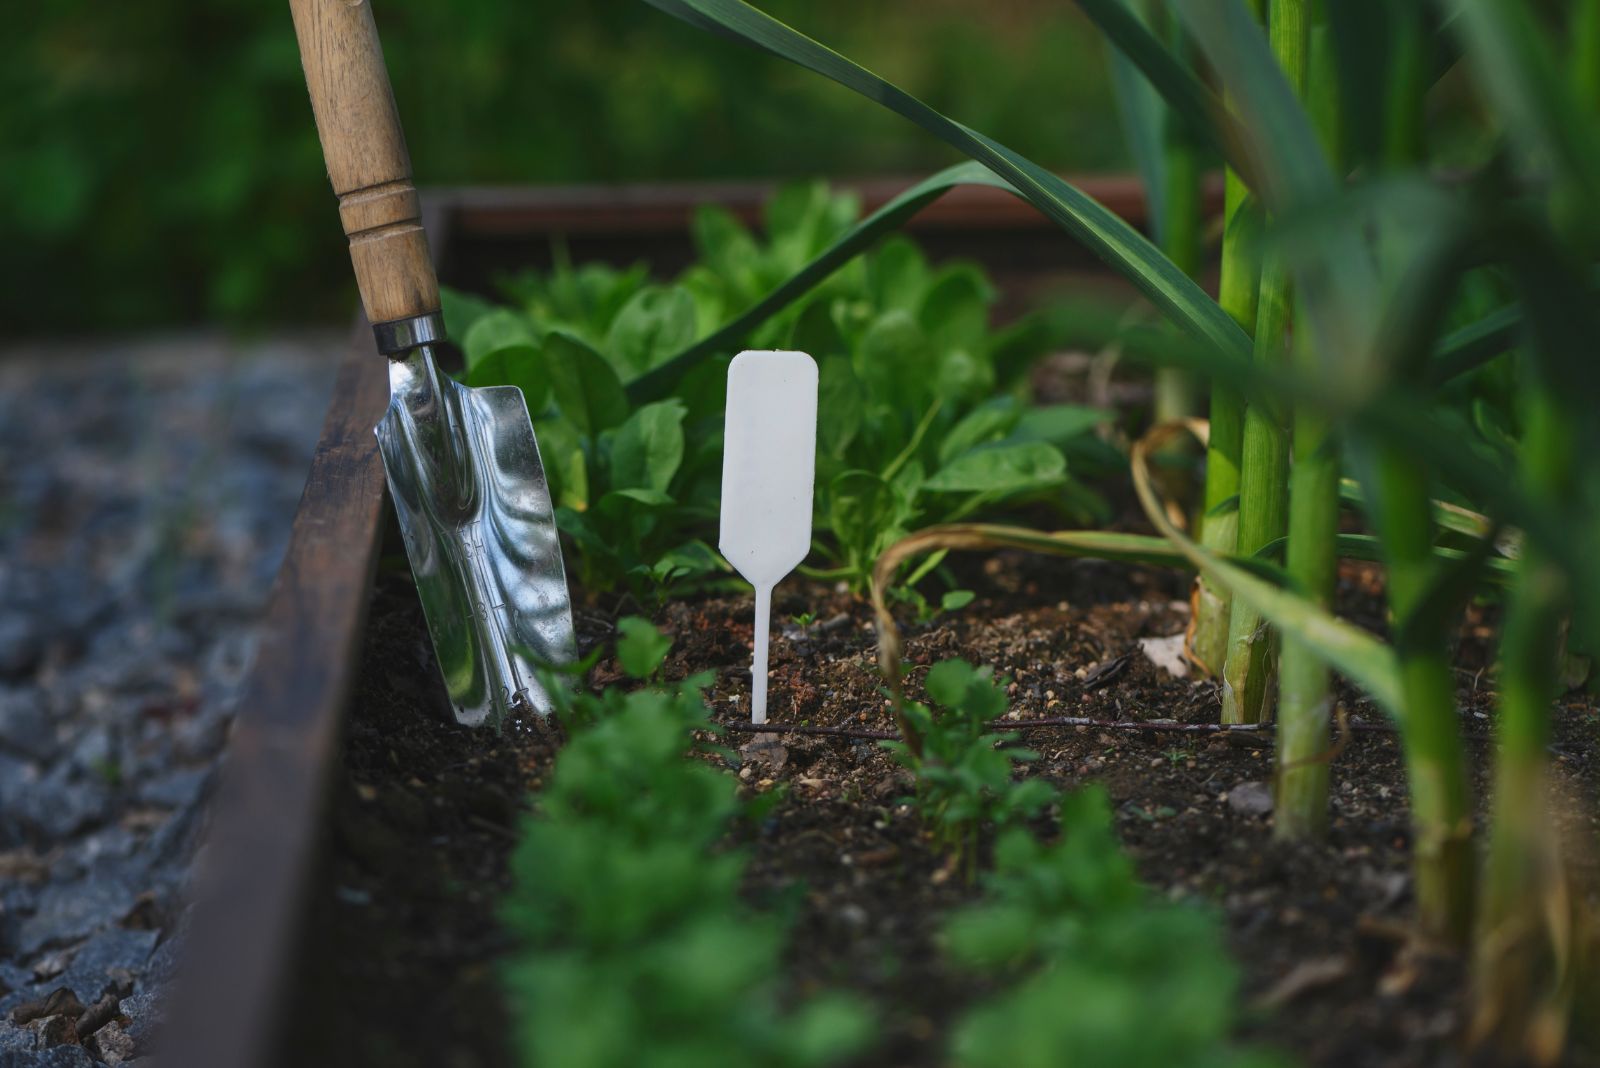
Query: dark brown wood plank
[508, 212]
[265, 826]
[502, 231]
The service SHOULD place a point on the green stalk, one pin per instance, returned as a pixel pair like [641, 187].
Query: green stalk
[1175, 391]
[1241, 277]
[1407, 84]
[1219, 522]
[1305, 694]
[1436, 769]
[1521, 849]
[1180, 238]
[1264, 457]
[1263, 509]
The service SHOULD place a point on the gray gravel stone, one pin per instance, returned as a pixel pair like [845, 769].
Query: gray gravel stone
[21, 644]
[94, 751]
[61, 803]
[55, 1057]
[162, 967]
[71, 910]
[1251, 798]
[14, 1039]
[18, 778]
[145, 1014]
[97, 851]
[202, 736]
[25, 726]
[90, 971]
[14, 977]
[176, 789]
[175, 838]
[112, 1044]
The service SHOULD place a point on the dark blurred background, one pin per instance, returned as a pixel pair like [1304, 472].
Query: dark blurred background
[159, 167]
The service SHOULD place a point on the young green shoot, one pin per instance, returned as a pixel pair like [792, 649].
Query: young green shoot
[1305, 692]
[963, 768]
[1264, 455]
[625, 904]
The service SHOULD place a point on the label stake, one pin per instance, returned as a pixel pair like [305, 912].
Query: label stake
[769, 455]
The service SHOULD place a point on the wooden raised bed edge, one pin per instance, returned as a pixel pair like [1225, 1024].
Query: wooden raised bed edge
[265, 824]
[503, 230]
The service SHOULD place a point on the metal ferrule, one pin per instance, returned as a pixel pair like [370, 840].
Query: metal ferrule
[399, 336]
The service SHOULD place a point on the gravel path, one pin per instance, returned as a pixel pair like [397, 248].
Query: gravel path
[146, 491]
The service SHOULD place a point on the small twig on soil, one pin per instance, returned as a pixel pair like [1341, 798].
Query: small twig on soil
[1168, 726]
[1164, 726]
[797, 728]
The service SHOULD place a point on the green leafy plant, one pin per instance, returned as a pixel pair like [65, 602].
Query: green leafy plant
[923, 413]
[629, 484]
[964, 770]
[626, 906]
[641, 648]
[1098, 970]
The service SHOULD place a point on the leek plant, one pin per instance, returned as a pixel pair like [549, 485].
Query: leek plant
[1237, 289]
[1441, 803]
[1264, 451]
[1529, 950]
[1436, 768]
[1305, 695]
[1180, 228]
[1170, 158]
[1516, 964]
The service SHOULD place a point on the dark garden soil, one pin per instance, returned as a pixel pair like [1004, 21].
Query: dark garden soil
[398, 966]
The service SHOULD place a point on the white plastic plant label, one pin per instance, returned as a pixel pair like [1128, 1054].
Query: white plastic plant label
[769, 456]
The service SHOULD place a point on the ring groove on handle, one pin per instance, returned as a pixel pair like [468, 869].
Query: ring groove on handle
[378, 205]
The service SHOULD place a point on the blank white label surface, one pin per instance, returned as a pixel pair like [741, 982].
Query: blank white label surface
[768, 466]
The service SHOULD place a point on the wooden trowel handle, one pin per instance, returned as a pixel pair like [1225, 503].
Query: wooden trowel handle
[366, 156]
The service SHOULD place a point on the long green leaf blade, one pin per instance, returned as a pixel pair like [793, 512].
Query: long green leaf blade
[1143, 119]
[1114, 241]
[1189, 98]
[1290, 167]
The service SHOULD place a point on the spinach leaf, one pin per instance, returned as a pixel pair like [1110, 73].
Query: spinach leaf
[648, 448]
[1001, 469]
[586, 389]
[656, 322]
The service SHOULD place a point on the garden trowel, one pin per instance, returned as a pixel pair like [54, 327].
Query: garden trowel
[463, 465]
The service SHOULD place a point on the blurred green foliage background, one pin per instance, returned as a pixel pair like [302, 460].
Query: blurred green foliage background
[158, 162]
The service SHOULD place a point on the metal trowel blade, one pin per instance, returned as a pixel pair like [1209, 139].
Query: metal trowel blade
[475, 512]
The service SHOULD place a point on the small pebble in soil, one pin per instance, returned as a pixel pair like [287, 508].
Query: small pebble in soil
[1250, 799]
[765, 749]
